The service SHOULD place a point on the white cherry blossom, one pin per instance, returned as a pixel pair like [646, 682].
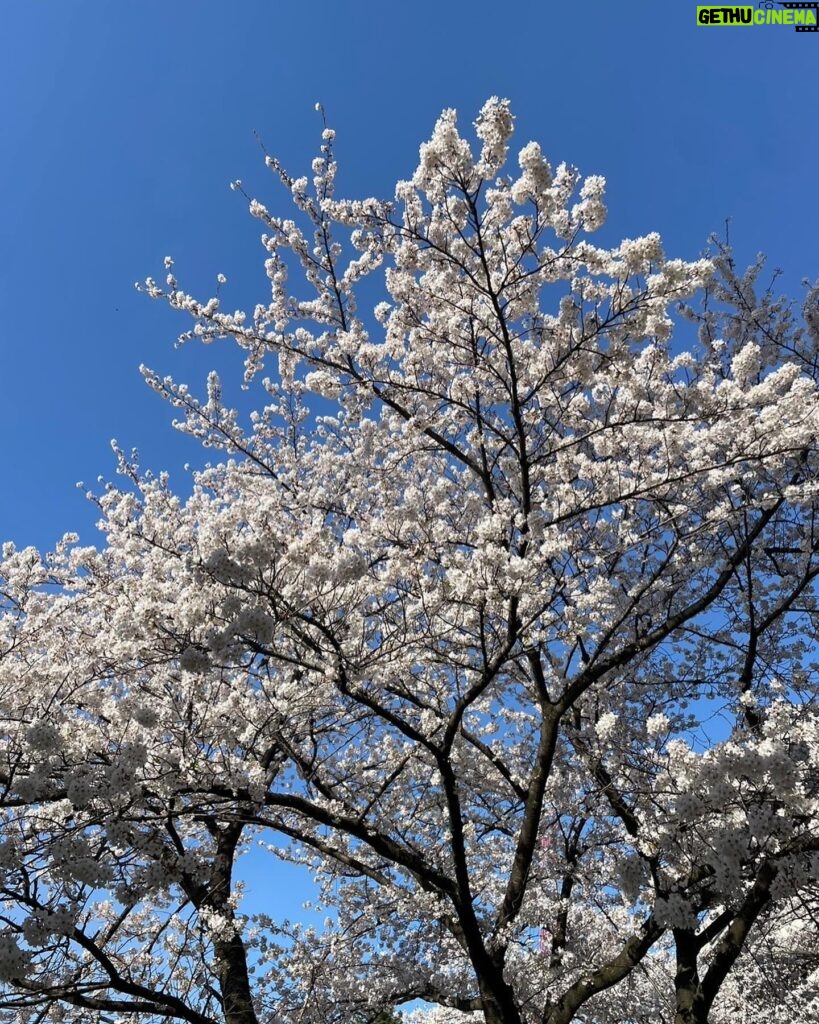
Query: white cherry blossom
[498, 614]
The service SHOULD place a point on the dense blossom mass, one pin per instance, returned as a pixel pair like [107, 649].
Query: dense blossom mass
[499, 613]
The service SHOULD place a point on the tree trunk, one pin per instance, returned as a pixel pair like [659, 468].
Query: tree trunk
[499, 1005]
[691, 1008]
[691, 1004]
[234, 982]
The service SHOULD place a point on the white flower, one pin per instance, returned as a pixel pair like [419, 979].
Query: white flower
[43, 735]
[606, 725]
[14, 962]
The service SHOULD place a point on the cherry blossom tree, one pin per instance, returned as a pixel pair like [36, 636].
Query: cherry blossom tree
[498, 614]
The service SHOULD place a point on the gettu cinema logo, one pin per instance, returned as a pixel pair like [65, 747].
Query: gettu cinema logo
[803, 16]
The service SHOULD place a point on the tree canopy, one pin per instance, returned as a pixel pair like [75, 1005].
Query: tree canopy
[499, 613]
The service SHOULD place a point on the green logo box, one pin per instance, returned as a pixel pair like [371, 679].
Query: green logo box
[804, 17]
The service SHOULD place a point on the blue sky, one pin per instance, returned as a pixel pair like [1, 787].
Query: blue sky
[125, 122]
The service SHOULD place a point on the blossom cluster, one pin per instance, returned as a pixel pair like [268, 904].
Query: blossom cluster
[483, 617]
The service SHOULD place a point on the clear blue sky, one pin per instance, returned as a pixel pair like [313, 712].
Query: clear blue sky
[125, 122]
